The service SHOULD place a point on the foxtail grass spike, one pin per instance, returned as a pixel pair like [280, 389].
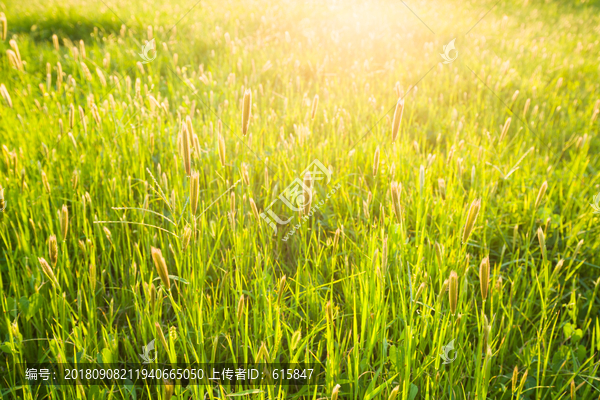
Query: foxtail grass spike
[453, 291]
[161, 266]
[53, 250]
[397, 119]
[484, 276]
[247, 106]
[471, 219]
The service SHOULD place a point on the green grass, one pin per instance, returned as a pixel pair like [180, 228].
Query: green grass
[356, 312]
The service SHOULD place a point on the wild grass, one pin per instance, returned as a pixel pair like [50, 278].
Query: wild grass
[131, 194]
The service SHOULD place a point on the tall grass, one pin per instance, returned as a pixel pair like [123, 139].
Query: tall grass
[132, 195]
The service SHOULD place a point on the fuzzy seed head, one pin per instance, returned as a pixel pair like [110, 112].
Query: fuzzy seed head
[335, 392]
[161, 266]
[505, 129]
[471, 219]
[48, 271]
[484, 276]
[244, 172]
[396, 191]
[525, 109]
[315, 104]
[63, 218]
[542, 240]
[186, 148]
[453, 291]
[194, 191]
[263, 353]
[53, 250]
[222, 157]
[4, 22]
[240, 308]
[541, 194]
[282, 282]
[376, 161]
[247, 106]
[254, 209]
[397, 119]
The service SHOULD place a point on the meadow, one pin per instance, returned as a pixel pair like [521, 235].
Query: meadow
[443, 245]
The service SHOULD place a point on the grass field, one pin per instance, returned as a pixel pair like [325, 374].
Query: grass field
[450, 202]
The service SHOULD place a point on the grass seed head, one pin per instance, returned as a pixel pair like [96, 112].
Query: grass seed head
[523, 379]
[453, 291]
[92, 276]
[240, 308]
[542, 240]
[484, 276]
[247, 106]
[161, 266]
[152, 292]
[108, 234]
[515, 379]
[505, 129]
[6, 95]
[186, 237]
[186, 148]
[439, 253]
[194, 191]
[222, 157]
[526, 108]
[442, 188]
[541, 194]
[396, 191]
[397, 119]
[419, 291]
[263, 353]
[169, 389]
[53, 250]
[48, 271]
[254, 209]
[315, 104]
[4, 22]
[576, 252]
[471, 218]
[394, 393]
[282, 282]
[2, 202]
[161, 336]
[63, 218]
[232, 203]
[376, 161]
[244, 173]
[335, 392]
